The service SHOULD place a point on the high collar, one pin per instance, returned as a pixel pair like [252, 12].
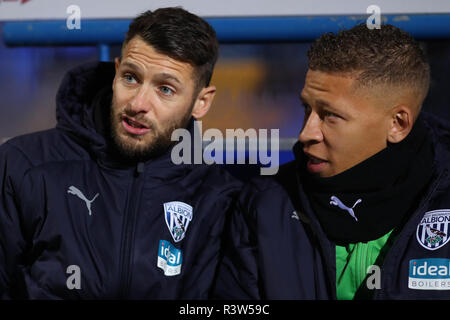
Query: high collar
[74, 107]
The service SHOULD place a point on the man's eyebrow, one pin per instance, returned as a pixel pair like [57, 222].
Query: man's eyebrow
[323, 103]
[331, 108]
[159, 77]
[164, 76]
[320, 103]
[131, 66]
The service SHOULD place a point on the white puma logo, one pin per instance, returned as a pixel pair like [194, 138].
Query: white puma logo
[73, 190]
[335, 201]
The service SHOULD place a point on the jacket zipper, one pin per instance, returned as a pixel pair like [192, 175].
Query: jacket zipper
[127, 244]
[379, 294]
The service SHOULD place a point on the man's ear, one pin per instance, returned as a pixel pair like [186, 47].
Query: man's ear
[401, 123]
[203, 102]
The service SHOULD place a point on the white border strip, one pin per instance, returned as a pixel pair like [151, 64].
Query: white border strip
[119, 9]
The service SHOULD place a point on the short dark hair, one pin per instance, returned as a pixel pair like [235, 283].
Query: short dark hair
[180, 35]
[387, 56]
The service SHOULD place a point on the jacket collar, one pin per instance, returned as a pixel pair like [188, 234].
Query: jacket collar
[439, 131]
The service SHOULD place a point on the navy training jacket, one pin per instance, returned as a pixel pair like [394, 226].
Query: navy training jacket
[76, 225]
[278, 250]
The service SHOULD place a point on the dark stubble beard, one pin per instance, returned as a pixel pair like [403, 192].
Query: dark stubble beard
[129, 152]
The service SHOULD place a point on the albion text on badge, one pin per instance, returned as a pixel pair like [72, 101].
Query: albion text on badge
[432, 231]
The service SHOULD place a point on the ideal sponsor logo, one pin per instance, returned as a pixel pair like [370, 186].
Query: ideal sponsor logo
[429, 274]
[169, 258]
[432, 231]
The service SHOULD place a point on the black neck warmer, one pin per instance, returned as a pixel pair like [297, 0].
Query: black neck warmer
[368, 200]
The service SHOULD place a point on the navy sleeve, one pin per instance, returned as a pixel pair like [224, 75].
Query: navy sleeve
[13, 165]
[238, 272]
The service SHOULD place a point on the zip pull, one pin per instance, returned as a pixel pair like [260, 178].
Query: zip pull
[139, 168]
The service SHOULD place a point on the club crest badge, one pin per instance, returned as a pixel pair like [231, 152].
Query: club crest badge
[433, 230]
[178, 215]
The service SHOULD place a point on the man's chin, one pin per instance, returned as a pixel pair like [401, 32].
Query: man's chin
[135, 149]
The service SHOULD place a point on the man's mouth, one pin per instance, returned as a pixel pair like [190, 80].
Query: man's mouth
[134, 127]
[315, 164]
[315, 160]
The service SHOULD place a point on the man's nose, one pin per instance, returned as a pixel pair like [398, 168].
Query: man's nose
[141, 101]
[312, 130]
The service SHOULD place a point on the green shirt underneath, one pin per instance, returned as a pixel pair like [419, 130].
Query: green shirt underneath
[352, 262]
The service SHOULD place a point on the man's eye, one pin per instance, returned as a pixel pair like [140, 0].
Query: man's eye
[166, 91]
[331, 115]
[129, 78]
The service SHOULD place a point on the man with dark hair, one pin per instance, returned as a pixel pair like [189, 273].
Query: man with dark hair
[364, 209]
[96, 208]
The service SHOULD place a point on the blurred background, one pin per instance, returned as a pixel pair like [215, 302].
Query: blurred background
[261, 67]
